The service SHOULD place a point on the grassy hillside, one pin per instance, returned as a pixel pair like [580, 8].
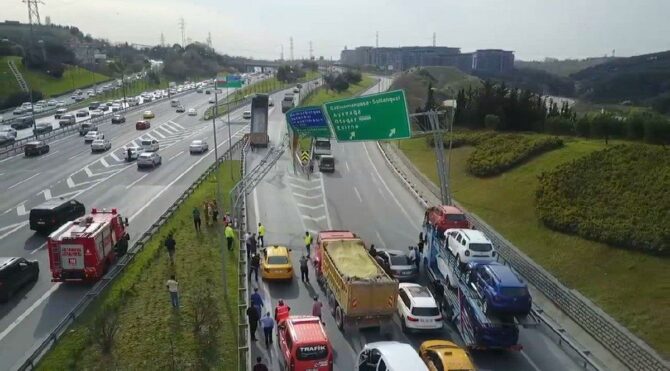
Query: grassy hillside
[610, 277]
[73, 78]
[564, 67]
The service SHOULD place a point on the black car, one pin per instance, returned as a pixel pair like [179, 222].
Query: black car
[103, 107]
[326, 164]
[22, 123]
[14, 274]
[118, 119]
[35, 148]
[42, 128]
[93, 106]
[6, 140]
[54, 213]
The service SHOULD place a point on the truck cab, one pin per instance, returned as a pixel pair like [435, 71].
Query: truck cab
[321, 147]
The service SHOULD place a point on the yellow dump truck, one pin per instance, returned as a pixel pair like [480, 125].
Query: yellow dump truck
[360, 293]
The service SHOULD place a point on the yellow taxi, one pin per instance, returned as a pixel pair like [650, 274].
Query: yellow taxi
[148, 115]
[442, 355]
[276, 264]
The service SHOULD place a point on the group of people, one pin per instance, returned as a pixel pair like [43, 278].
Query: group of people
[282, 312]
[210, 213]
[415, 253]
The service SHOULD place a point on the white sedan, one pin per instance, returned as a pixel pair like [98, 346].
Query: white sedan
[198, 146]
[101, 145]
[246, 114]
[93, 135]
[192, 112]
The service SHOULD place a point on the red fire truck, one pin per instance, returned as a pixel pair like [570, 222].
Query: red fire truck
[83, 249]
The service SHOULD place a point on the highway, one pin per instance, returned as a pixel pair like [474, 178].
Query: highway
[363, 196]
[98, 180]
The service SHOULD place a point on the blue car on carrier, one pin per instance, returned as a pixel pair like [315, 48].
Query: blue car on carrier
[499, 288]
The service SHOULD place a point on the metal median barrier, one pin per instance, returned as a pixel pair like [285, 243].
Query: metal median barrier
[39, 351]
[17, 146]
[630, 350]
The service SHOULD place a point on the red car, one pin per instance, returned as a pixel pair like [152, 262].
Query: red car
[445, 217]
[142, 125]
[304, 345]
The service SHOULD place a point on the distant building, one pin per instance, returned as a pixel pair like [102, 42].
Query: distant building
[404, 58]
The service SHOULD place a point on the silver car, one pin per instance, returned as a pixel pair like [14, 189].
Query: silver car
[198, 146]
[148, 159]
[101, 145]
[398, 264]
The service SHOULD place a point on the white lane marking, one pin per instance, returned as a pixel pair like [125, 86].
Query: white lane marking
[76, 155]
[308, 197]
[325, 204]
[310, 207]
[23, 181]
[167, 129]
[175, 156]
[38, 248]
[28, 311]
[13, 227]
[103, 162]
[115, 157]
[46, 192]
[50, 154]
[315, 218]
[305, 188]
[387, 187]
[379, 236]
[157, 132]
[175, 124]
[360, 199]
[346, 163]
[530, 361]
[88, 171]
[151, 136]
[70, 182]
[136, 181]
[147, 204]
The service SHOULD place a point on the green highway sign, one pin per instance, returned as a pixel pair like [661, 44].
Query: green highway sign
[372, 117]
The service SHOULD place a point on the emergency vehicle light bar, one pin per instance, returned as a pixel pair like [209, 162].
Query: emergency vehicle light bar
[104, 211]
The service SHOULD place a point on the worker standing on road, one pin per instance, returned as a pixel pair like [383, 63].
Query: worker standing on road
[252, 244]
[282, 311]
[308, 242]
[246, 238]
[170, 245]
[196, 219]
[215, 212]
[316, 307]
[253, 316]
[230, 236]
[261, 234]
[256, 300]
[254, 265]
[372, 251]
[412, 256]
[268, 324]
[173, 289]
[205, 210]
[304, 270]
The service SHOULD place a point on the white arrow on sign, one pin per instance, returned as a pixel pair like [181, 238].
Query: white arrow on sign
[352, 135]
[392, 133]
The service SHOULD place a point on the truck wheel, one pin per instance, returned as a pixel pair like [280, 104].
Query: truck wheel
[339, 318]
[332, 303]
[403, 325]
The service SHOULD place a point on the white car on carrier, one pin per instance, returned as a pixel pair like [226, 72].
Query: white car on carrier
[469, 245]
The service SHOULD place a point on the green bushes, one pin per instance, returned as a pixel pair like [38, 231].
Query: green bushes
[618, 196]
[502, 152]
[463, 138]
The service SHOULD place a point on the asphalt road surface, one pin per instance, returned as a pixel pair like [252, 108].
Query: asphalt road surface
[100, 180]
[363, 196]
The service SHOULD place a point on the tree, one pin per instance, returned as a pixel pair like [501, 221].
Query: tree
[430, 99]
[104, 329]
[340, 84]
[353, 77]
[492, 122]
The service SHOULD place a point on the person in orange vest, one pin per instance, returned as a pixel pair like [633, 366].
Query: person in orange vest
[282, 311]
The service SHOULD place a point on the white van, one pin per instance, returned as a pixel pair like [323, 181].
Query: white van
[389, 356]
[174, 103]
[150, 145]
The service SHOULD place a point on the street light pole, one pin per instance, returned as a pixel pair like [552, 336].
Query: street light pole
[228, 114]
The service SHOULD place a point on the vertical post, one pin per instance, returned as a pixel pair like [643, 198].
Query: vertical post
[229, 136]
[439, 155]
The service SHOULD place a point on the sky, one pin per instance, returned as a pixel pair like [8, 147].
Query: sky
[533, 29]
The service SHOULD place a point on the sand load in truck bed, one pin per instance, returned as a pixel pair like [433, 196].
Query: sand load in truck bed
[353, 261]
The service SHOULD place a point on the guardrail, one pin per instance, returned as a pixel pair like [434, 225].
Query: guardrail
[118, 268]
[17, 146]
[243, 340]
[625, 346]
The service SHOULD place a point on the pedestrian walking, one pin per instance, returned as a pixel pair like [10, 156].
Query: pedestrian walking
[268, 324]
[282, 311]
[196, 219]
[304, 270]
[170, 245]
[255, 266]
[253, 244]
[372, 251]
[412, 256]
[210, 214]
[259, 366]
[421, 243]
[228, 219]
[308, 242]
[230, 236]
[205, 210]
[256, 300]
[215, 212]
[261, 235]
[246, 238]
[173, 288]
[253, 316]
[316, 307]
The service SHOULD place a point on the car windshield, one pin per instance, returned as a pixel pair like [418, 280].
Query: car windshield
[196, 143]
[322, 144]
[277, 259]
[456, 217]
[400, 260]
[426, 311]
[146, 142]
[514, 291]
[481, 247]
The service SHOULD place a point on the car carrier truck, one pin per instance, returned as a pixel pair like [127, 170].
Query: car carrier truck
[258, 136]
[83, 249]
[360, 294]
[461, 304]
